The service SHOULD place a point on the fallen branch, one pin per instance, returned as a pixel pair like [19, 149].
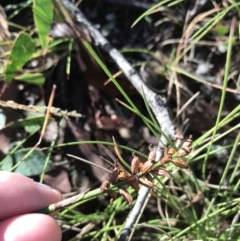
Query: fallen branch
[135, 214]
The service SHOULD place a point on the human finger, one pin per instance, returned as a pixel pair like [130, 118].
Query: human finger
[20, 195]
[30, 227]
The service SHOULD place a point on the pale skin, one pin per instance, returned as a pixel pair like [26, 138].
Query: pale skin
[20, 198]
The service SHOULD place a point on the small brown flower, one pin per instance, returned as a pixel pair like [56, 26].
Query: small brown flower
[161, 172]
[184, 151]
[105, 186]
[114, 175]
[146, 182]
[133, 182]
[135, 164]
[146, 167]
[126, 195]
[152, 153]
[123, 173]
[180, 163]
[188, 142]
[165, 159]
[122, 176]
[186, 147]
[171, 151]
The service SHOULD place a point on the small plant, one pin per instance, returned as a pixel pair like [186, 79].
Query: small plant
[190, 53]
[144, 172]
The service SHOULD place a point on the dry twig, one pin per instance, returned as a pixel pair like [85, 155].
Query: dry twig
[32, 108]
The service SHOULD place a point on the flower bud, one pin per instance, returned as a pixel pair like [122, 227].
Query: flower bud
[126, 195]
[165, 159]
[186, 147]
[105, 186]
[152, 153]
[146, 182]
[171, 151]
[161, 172]
[114, 175]
[135, 164]
[180, 163]
[146, 167]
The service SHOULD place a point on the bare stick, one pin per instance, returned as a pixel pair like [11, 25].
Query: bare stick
[31, 108]
[134, 215]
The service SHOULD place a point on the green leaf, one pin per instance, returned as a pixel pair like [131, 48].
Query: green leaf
[168, 3]
[22, 50]
[36, 118]
[31, 166]
[35, 123]
[31, 125]
[221, 30]
[43, 16]
[32, 78]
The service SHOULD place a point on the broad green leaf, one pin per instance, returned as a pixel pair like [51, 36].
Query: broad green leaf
[36, 124]
[31, 124]
[221, 30]
[38, 115]
[43, 16]
[31, 166]
[22, 50]
[32, 78]
[32, 128]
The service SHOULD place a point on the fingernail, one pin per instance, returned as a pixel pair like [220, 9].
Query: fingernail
[47, 187]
